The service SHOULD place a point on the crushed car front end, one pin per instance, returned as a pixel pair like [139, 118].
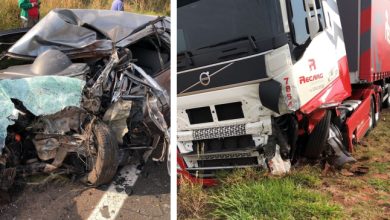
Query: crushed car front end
[92, 95]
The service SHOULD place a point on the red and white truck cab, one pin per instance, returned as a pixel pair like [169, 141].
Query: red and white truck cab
[265, 83]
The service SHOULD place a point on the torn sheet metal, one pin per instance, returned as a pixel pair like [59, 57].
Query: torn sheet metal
[92, 96]
[157, 89]
[335, 142]
[40, 95]
[79, 31]
[116, 117]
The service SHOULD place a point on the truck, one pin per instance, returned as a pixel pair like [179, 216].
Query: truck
[271, 83]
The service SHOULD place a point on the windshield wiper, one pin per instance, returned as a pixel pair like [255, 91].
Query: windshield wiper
[250, 38]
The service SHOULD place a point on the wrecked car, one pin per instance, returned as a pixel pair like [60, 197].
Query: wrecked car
[84, 92]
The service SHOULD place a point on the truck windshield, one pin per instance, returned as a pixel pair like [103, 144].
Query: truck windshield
[212, 23]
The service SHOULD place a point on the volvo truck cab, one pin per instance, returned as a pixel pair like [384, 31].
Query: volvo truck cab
[262, 84]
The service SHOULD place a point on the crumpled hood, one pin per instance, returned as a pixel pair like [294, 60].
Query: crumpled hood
[75, 31]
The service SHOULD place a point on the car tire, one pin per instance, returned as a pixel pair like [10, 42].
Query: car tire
[169, 161]
[317, 139]
[106, 163]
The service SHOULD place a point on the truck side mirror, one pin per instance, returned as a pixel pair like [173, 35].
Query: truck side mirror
[312, 22]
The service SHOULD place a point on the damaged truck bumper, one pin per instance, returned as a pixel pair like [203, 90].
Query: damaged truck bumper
[247, 138]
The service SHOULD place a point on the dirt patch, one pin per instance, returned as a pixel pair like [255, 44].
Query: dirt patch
[366, 196]
[55, 201]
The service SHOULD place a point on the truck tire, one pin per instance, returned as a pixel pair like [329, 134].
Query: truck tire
[317, 139]
[106, 162]
[372, 117]
[386, 103]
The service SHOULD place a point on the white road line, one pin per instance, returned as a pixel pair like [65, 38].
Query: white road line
[111, 202]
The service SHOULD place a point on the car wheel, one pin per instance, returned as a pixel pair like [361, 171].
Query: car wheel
[105, 164]
[169, 161]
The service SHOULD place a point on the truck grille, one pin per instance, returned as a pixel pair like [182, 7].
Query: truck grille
[220, 145]
[219, 132]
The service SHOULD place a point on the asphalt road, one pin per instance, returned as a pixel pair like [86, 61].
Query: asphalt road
[143, 195]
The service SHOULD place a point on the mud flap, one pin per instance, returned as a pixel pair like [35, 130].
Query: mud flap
[340, 156]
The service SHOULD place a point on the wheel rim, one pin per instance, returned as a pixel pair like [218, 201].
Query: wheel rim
[169, 162]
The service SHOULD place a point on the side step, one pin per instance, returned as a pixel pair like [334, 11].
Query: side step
[225, 151]
[222, 167]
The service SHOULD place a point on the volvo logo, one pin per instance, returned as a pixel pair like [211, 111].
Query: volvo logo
[204, 78]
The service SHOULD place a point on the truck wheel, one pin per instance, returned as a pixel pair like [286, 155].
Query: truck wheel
[105, 163]
[372, 117]
[317, 139]
[372, 114]
[386, 102]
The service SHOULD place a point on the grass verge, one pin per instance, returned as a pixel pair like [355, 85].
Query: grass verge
[251, 194]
